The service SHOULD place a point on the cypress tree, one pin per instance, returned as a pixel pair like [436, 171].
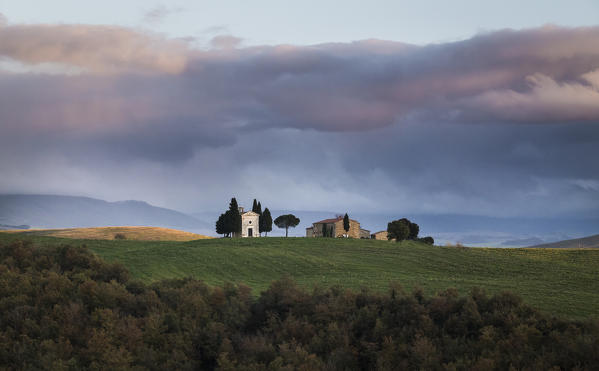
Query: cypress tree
[233, 218]
[346, 223]
[255, 206]
[220, 225]
[260, 223]
[266, 221]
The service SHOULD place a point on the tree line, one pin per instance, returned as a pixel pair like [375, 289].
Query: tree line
[229, 222]
[64, 308]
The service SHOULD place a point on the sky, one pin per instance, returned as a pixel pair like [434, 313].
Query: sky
[466, 107]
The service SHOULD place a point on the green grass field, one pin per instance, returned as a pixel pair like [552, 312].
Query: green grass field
[563, 282]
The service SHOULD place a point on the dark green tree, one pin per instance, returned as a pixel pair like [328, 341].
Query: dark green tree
[233, 218]
[398, 230]
[220, 225]
[346, 223]
[259, 212]
[414, 230]
[266, 221]
[413, 227]
[286, 221]
[255, 206]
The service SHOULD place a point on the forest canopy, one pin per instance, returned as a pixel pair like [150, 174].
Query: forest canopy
[64, 308]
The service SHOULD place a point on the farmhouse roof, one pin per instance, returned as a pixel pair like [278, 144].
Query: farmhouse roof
[332, 220]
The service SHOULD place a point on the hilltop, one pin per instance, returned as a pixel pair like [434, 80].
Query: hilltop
[137, 233]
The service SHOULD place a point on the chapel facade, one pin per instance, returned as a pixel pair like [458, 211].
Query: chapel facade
[250, 224]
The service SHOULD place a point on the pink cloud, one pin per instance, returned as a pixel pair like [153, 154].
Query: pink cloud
[545, 101]
[96, 49]
[130, 80]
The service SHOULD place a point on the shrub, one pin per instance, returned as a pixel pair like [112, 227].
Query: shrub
[428, 240]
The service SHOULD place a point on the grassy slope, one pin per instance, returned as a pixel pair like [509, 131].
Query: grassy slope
[107, 233]
[563, 282]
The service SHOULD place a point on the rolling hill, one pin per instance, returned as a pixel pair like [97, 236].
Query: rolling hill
[576, 243]
[137, 233]
[558, 281]
[50, 211]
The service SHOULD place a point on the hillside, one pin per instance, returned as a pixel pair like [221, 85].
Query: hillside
[65, 308]
[108, 233]
[50, 211]
[585, 242]
[562, 282]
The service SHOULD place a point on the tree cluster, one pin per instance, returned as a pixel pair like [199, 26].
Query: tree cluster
[229, 223]
[64, 308]
[404, 229]
[265, 220]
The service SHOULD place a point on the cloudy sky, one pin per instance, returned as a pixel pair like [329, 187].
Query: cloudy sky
[469, 107]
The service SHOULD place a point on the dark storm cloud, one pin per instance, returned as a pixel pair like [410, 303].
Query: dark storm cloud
[502, 123]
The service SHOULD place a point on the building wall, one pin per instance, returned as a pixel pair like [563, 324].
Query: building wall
[364, 233]
[382, 235]
[337, 227]
[317, 229]
[354, 229]
[250, 220]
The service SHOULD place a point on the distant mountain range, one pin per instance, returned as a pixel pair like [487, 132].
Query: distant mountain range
[50, 211]
[585, 242]
[7, 227]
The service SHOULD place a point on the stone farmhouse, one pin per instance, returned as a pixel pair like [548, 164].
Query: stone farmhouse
[250, 224]
[334, 228]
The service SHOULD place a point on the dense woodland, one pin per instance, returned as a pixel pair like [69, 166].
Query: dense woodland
[64, 308]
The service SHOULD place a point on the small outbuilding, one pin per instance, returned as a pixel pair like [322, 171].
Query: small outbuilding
[380, 235]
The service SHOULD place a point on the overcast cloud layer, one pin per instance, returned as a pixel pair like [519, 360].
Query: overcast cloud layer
[504, 123]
